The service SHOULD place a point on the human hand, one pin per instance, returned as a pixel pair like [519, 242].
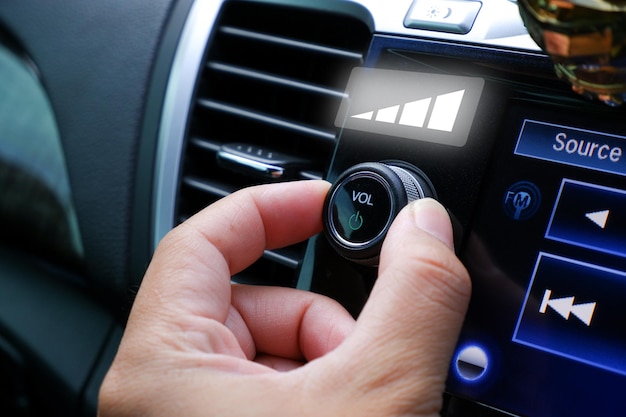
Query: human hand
[195, 345]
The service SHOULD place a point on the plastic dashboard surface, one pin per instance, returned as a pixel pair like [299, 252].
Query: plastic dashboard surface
[539, 188]
[536, 181]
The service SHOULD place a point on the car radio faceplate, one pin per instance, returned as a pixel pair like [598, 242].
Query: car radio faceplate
[538, 188]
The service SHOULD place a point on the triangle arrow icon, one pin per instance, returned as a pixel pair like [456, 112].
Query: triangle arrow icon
[599, 217]
[584, 312]
[563, 306]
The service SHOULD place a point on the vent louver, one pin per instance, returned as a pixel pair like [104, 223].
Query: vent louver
[272, 82]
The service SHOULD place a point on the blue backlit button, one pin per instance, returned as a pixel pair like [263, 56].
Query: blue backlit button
[521, 200]
[591, 216]
[471, 363]
[575, 310]
[572, 146]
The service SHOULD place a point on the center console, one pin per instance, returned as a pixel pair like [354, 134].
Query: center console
[451, 99]
[534, 177]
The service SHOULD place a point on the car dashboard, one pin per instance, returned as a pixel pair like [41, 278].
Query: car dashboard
[151, 112]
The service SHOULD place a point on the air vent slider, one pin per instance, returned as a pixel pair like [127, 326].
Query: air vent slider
[259, 161]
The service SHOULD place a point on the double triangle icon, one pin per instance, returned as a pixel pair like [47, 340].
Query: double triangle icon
[565, 306]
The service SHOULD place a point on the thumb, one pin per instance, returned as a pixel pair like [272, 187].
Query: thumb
[406, 333]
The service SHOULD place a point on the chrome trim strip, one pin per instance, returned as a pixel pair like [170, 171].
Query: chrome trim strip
[177, 105]
[266, 170]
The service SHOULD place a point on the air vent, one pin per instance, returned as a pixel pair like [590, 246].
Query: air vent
[272, 81]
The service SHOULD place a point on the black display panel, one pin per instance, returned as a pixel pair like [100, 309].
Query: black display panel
[539, 188]
[546, 254]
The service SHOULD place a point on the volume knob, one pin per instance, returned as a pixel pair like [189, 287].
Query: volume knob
[363, 202]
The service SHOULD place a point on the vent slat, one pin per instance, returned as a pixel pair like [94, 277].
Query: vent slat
[207, 187]
[234, 31]
[244, 72]
[282, 257]
[311, 175]
[275, 121]
[273, 80]
[206, 144]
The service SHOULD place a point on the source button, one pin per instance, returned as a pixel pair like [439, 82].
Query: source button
[573, 146]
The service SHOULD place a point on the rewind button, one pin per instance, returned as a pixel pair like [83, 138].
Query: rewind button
[575, 310]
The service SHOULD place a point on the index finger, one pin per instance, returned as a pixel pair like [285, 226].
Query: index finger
[193, 264]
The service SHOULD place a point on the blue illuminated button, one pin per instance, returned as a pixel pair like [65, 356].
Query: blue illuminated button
[521, 200]
[471, 363]
[572, 146]
[575, 310]
[590, 216]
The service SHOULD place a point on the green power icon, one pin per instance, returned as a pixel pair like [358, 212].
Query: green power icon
[356, 221]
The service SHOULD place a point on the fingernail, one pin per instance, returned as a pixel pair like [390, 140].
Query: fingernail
[432, 217]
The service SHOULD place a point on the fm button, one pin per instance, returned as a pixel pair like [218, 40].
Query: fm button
[363, 202]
